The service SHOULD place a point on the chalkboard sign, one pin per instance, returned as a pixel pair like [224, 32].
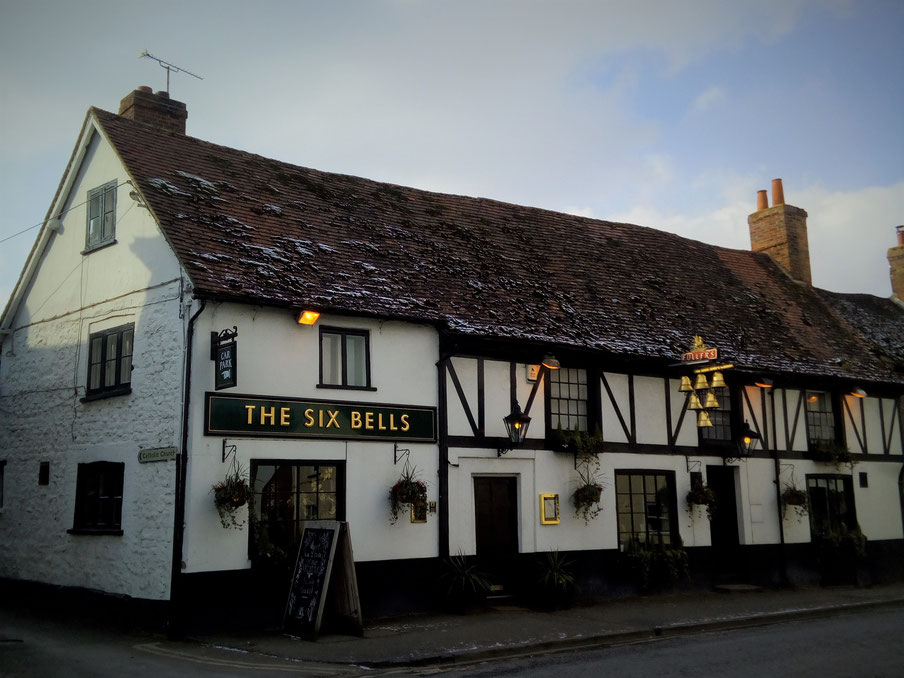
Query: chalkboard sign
[312, 584]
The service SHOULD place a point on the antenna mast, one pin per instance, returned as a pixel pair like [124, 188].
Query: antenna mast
[169, 67]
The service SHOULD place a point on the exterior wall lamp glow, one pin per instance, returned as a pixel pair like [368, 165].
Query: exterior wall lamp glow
[549, 362]
[516, 425]
[748, 439]
[308, 317]
[858, 392]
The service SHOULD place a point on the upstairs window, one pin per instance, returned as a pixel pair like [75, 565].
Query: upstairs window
[98, 498]
[820, 418]
[101, 228]
[568, 399]
[720, 431]
[110, 361]
[344, 358]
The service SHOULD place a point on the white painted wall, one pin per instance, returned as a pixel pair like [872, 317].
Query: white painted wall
[279, 358]
[42, 380]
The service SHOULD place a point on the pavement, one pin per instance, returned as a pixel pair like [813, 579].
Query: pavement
[502, 630]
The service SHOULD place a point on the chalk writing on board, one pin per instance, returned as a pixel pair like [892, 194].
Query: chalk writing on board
[310, 574]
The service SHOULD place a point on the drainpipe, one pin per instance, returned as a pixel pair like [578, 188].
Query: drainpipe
[176, 617]
[782, 565]
[443, 441]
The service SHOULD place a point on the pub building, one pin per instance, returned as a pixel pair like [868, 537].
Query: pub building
[207, 348]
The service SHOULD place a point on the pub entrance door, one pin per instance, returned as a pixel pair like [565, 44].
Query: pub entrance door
[496, 515]
[727, 564]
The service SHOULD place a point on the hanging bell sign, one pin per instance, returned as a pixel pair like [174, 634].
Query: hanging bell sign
[694, 402]
[685, 385]
[703, 419]
[711, 403]
[701, 384]
[718, 380]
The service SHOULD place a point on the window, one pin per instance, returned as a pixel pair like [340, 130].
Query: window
[646, 506]
[101, 216]
[110, 361]
[344, 358]
[820, 418]
[720, 431]
[98, 498]
[285, 495]
[568, 399]
[831, 504]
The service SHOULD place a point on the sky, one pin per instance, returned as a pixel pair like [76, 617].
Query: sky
[665, 114]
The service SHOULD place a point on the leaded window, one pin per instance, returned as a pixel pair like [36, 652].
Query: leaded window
[831, 504]
[820, 418]
[645, 506]
[568, 399]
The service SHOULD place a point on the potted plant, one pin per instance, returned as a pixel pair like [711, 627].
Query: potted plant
[556, 581]
[407, 491]
[701, 495]
[796, 498]
[578, 442]
[656, 567]
[230, 494]
[466, 585]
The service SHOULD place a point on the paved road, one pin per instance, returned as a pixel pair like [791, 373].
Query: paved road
[869, 643]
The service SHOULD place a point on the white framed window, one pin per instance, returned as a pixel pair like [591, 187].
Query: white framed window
[568, 399]
[101, 226]
[820, 418]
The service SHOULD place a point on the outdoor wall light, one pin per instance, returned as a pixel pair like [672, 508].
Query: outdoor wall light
[308, 317]
[516, 425]
[763, 383]
[549, 361]
[858, 392]
[748, 438]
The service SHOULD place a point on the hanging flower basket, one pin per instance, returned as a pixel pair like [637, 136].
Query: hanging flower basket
[407, 491]
[230, 494]
[797, 499]
[586, 497]
[701, 495]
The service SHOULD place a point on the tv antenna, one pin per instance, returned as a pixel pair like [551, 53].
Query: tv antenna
[168, 66]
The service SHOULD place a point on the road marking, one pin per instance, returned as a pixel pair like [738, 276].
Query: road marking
[298, 666]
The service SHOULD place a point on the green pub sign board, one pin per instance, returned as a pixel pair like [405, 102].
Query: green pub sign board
[257, 416]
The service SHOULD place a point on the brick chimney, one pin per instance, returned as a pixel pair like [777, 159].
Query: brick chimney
[896, 265]
[781, 231]
[142, 105]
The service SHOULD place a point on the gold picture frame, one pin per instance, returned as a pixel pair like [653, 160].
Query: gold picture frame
[419, 513]
[549, 509]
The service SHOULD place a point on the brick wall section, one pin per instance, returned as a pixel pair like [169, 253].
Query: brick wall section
[781, 231]
[155, 109]
[896, 270]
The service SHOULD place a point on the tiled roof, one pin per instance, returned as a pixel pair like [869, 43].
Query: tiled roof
[256, 230]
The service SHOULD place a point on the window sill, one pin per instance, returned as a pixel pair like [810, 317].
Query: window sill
[112, 393]
[339, 387]
[99, 246]
[96, 531]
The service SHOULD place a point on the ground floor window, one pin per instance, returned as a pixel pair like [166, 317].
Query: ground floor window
[285, 495]
[831, 504]
[98, 498]
[646, 507]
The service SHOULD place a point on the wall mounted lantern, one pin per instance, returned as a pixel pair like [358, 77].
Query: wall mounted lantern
[748, 439]
[858, 392]
[516, 425]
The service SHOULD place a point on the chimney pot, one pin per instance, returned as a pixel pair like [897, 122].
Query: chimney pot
[900, 235]
[146, 89]
[896, 265]
[762, 201]
[778, 193]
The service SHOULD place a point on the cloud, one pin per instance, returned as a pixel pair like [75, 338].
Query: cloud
[710, 97]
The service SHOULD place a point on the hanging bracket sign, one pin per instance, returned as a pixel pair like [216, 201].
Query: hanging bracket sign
[224, 353]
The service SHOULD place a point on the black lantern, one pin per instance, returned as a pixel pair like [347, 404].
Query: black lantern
[748, 439]
[516, 425]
